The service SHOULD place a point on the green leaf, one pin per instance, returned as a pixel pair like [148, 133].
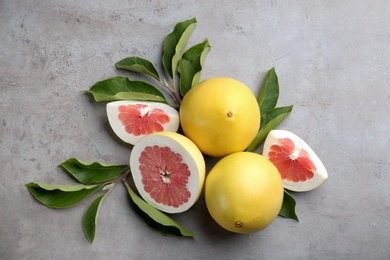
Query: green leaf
[269, 92]
[268, 117]
[272, 119]
[90, 218]
[190, 66]
[174, 44]
[61, 196]
[88, 173]
[121, 88]
[138, 64]
[288, 207]
[154, 218]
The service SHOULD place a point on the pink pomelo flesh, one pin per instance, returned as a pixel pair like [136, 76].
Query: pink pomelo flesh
[164, 175]
[168, 170]
[299, 166]
[293, 164]
[131, 120]
[139, 119]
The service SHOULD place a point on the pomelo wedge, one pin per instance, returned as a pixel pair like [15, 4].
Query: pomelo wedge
[168, 170]
[131, 120]
[298, 164]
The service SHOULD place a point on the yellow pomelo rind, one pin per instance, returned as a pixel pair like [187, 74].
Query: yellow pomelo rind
[220, 115]
[244, 192]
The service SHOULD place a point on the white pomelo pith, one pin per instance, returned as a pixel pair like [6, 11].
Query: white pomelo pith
[168, 170]
[299, 166]
[131, 120]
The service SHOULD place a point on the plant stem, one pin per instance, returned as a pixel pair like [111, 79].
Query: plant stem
[176, 97]
[122, 177]
[172, 90]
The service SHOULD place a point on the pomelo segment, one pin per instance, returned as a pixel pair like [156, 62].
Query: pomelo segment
[299, 166]
[168, 170]
[131, 120]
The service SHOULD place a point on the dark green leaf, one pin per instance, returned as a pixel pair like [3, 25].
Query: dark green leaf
[138, 64]
[272, 119]
[61, 196]
[121, 88]
[288, 207]
[174, 44]
[269, 92]
[154, 218]
[88, 173]
[190, 66]
[90, 218]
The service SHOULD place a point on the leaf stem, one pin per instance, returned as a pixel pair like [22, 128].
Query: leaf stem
[122, 177]
[172, 90]
[176, 97]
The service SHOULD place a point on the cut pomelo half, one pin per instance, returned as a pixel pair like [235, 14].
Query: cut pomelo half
[299, 166]
[168, 170]
[131, 120]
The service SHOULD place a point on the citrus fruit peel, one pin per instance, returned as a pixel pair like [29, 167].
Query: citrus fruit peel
[244, 192]
[299, 166]
[220, 115]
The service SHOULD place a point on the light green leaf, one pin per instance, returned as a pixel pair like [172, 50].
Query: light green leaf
[61, 196]
[174, 44]
[288, 207]
[90, 218]
[269, 92]
[121, 88]
[190, 66]
[88, 173]
[138, 64]
[272, 119]
[155, 219]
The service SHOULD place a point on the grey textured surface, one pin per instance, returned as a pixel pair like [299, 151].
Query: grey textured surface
[333, 63]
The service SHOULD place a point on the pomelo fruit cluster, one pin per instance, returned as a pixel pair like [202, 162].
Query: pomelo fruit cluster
[219, 117]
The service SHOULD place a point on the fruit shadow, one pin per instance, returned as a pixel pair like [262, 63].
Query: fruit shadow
[208, 229]
[104, 121]
[114, 137]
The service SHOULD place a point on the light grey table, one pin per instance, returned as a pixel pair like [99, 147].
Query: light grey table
[333, 63]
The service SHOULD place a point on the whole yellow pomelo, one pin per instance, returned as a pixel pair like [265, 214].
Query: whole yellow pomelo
[220, 115]
[244, 192]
